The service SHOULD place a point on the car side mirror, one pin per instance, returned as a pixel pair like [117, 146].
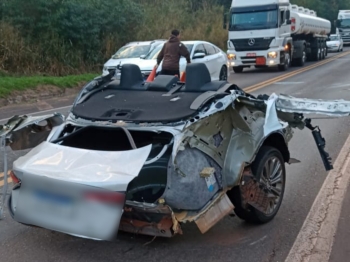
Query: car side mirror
[198, 55]
[288, 15]
[338, 23]
[142, 56]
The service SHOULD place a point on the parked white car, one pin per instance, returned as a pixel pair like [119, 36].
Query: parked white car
[212, 56]
[130, 53]
[201, 52]
[335, 43]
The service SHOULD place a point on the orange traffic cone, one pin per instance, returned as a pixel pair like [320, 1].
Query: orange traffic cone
[183, 77]
[152, 75]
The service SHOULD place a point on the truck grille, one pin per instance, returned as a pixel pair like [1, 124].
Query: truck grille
[252, 44]
[346, 37]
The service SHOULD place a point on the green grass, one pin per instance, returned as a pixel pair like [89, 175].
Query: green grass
[9, 84]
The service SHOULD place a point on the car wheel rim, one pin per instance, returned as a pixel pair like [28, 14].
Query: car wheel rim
[273, 180]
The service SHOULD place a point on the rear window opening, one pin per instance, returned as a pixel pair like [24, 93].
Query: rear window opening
[151, 182]
[110, 138]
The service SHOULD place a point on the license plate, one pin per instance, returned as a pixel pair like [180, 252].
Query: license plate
[53, 204]
[260, 61]
[251, 54]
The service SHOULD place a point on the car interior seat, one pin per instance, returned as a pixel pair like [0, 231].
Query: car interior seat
[198, 79]
[131, 78]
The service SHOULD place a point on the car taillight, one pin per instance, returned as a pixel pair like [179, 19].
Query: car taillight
[15, 179]
[106, 197]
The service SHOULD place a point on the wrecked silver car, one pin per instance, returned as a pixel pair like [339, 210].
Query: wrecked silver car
[148, 157]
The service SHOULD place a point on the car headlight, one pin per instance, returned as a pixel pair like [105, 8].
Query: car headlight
[231, 56]
[104, 68]
[272, 55]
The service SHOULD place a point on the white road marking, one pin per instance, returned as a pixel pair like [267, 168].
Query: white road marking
[41, 112]
[340, 85]
[316, 237]
[256, 242]
[288, 83]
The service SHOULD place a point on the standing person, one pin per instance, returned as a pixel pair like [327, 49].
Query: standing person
[171, 53]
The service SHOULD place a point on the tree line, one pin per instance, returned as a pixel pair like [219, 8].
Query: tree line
[60, 37]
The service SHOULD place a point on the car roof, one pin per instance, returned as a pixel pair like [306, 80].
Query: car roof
[145, 42]
[193, 42]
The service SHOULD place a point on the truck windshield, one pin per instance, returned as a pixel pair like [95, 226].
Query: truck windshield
[345, 23]
[254, 20]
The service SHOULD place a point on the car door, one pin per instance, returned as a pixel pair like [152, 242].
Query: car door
[213, 61]
[199, 54]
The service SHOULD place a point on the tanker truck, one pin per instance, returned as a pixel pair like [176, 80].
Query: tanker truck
[274, 33]
[343, 25]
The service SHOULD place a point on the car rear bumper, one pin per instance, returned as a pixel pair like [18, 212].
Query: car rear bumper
[91, 220]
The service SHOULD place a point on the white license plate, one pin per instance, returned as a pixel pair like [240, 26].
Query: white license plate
[53, 204]
[251, 54]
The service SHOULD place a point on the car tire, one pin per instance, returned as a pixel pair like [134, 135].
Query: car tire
[238, 69]
[223, 74]
[252, 215]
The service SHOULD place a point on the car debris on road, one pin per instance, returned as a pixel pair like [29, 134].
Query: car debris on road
[147, 157]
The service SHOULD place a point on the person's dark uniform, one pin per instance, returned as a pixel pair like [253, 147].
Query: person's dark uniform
[171, 53]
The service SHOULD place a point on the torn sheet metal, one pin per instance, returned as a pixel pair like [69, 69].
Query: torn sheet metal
[24, 132]
[103, 169]
[222, 208]
[154, 220]
[272, 123]
[291, 104]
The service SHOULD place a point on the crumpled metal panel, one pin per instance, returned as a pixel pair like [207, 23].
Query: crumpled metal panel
[291, 104]
[25, 132]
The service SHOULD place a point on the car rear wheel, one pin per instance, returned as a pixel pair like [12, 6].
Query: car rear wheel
[269, 169]
[223, 74]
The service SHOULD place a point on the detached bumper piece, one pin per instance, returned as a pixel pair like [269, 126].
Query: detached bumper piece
[321, 144]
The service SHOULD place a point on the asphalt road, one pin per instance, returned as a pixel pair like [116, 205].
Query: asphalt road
[231, 239]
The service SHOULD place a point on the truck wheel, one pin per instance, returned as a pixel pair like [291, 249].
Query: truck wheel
[320, 54]
[238, 69]
[301, 61]
[269, 169]
[286, 64]
[323, 54]
[317, 55]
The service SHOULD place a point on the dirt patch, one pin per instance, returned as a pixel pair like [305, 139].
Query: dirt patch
[41, 92]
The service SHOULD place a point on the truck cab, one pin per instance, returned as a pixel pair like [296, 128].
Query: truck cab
[343, 25]
[259, 33]
[270, 33]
